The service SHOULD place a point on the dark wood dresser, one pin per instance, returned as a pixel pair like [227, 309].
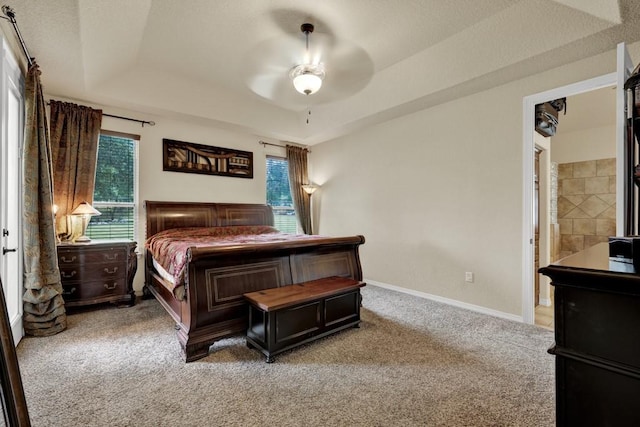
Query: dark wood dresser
[597, 339]
[98, 271]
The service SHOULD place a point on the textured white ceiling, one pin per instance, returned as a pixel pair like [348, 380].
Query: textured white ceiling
[216, 60]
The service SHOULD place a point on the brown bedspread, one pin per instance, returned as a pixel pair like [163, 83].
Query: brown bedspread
[169, 248]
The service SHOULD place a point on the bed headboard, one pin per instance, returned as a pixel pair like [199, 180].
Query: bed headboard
[164, 215]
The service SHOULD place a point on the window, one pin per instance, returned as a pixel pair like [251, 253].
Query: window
[279, 195]
[115, 191]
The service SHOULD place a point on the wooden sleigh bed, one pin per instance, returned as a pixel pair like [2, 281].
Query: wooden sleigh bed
[208, 304]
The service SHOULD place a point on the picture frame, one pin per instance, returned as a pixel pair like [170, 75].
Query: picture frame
[188, 157]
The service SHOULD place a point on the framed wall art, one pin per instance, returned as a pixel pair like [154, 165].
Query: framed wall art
[180, 156]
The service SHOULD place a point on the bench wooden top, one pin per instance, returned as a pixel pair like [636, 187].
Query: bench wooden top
[285, 296]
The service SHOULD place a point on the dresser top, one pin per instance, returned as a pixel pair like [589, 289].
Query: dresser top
[593, 269]
[96, 243]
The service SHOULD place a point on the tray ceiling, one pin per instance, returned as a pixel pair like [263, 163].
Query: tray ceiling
[193, 59]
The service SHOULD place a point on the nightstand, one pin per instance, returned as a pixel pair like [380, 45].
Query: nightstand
[98, 271]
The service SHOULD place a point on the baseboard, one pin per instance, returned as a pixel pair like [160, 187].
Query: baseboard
[545, 301]
[455, 303]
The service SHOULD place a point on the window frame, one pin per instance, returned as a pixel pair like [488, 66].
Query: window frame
[277, 209]
[136, 175]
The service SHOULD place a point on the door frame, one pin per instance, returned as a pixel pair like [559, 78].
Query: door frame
[528, 128]
[12, 80]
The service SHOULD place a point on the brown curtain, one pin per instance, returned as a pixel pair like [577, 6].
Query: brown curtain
[297, 160]
[75, 130]
[44, 312]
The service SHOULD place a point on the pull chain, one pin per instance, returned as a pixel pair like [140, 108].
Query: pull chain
[308, 115]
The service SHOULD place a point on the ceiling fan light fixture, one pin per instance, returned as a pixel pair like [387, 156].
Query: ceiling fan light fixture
[307, 79]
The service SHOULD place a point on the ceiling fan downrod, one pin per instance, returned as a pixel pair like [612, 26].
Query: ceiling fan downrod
[307, 29]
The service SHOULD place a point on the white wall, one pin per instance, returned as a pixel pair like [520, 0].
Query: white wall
[439, 192]
[583, 145]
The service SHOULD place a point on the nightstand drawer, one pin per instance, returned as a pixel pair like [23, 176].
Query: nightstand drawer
[83, 272]
[89, 291]
[74, 256]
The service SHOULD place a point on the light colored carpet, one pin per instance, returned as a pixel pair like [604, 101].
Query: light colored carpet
[413, 362]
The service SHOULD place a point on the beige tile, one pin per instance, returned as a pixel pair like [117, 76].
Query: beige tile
[594, 240]
[560, 187]
[577, 213]
[584, 226]
[572, 186]
[564, 206]
[577, 199]
[584, 169]
[566, 226]
[572, 243]
[593, 206]
[612, 184]
[605, 227]
[565, 170]
[609, 199]
[544, 321]
[605, 167]
[596, 185]
[609, 213]
[564, 254]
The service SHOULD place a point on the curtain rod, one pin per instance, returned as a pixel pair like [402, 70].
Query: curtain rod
[11, 17]
[143, 122]
[279, 145]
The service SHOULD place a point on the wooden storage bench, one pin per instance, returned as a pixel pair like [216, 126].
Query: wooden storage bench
[289, 316]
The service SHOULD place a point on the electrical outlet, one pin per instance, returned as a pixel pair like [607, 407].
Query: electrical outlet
[468, 277]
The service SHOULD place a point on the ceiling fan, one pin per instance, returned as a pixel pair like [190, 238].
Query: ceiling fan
[290, 71]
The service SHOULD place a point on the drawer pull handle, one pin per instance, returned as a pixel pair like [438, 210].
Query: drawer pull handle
[64, 259]
[112, 287]
[69, 292]
[106, 270]
[68, 276]
[111, 257]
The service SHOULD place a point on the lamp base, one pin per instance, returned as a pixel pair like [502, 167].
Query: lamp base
[82, 239]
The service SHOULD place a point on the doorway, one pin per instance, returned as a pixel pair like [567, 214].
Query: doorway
[575, 186]
[624, 67]
[529, 102]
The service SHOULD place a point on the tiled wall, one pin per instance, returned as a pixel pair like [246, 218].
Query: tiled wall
[586, 204]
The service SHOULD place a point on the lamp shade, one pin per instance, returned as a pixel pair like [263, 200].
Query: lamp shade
[85, 208]
[309, 188]
[307, 83]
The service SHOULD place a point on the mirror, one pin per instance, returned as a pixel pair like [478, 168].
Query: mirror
[14, 405]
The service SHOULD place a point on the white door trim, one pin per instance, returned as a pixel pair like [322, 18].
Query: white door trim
[11, 83]
[528, 128]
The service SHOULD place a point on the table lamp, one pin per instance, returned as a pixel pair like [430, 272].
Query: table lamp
[86, 211]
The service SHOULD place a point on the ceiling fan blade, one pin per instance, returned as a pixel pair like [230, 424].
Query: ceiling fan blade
[266, 69]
